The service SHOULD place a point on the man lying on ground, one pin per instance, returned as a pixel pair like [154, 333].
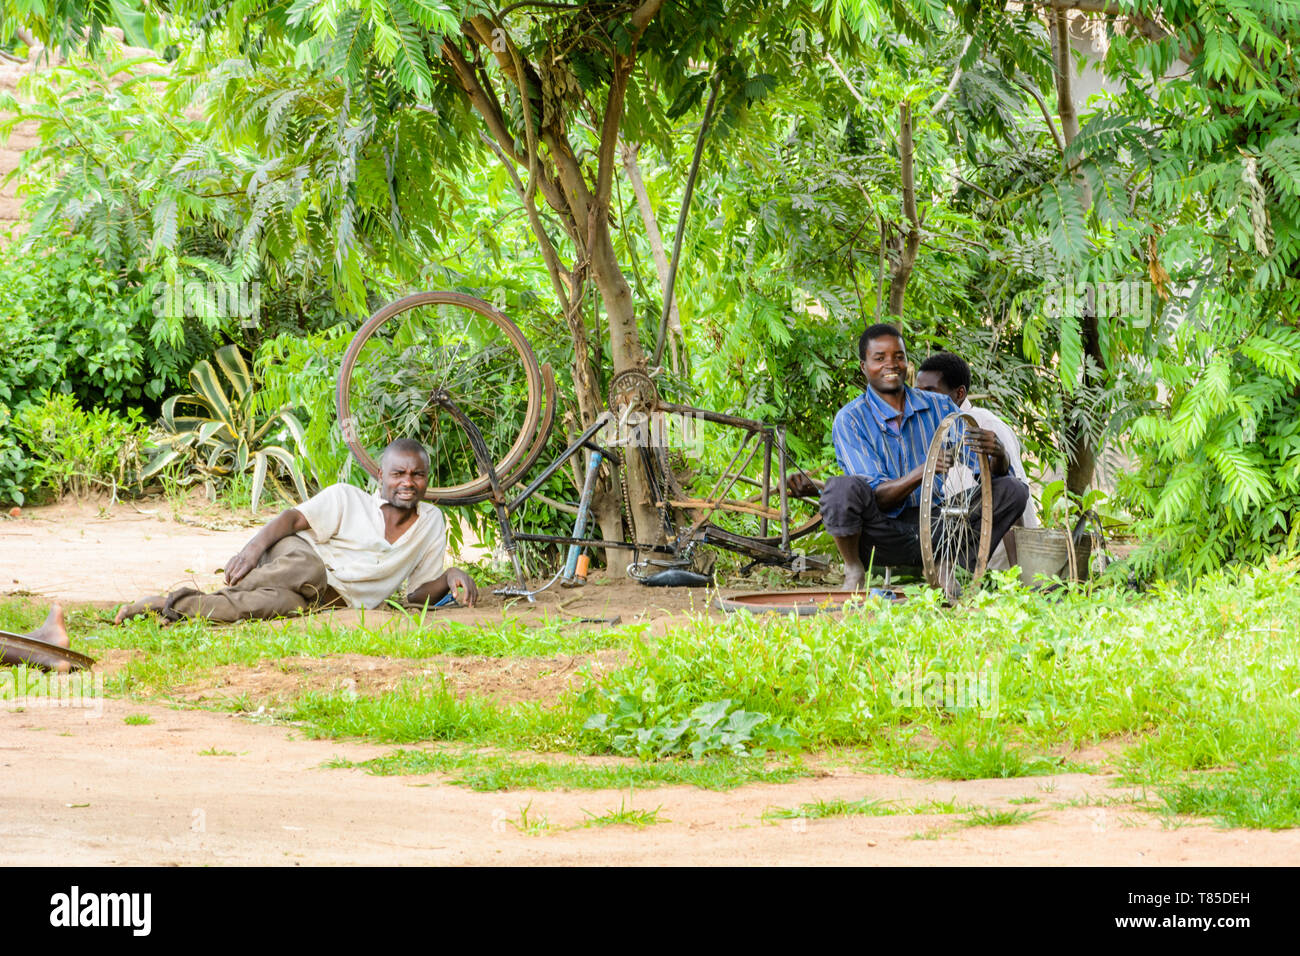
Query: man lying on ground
[881, 439]
[344, 547]
[948, 374]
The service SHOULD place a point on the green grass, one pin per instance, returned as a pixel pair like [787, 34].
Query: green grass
[1263, 797]
[625, 816]
[214, 752]
[865, 807]
[1189, 678]
[174, 655]
[833, 808]
[532, 824]
[137, 720]
[417, 712]
[992, 817]
[495, 772]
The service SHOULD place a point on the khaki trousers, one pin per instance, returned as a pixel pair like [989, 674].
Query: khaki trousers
[289, 579]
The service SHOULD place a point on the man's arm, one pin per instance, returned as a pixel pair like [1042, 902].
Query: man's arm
[290, 521]
[895, 490]
[454, 580]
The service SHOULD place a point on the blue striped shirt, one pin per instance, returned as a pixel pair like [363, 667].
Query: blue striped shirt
[873, 440]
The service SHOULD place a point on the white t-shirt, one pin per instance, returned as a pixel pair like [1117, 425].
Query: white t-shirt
[961, 477]
[347, 532]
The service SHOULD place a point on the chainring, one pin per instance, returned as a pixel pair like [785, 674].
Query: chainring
[632, 390]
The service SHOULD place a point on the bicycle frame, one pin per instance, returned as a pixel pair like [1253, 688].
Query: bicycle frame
[771, 438]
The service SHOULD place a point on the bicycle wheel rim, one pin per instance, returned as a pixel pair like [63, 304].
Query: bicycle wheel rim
[465, 346]
[946, 542]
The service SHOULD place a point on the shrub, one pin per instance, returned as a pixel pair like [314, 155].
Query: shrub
[219, 432]
[73, 450]
[73, 325]
[14, 465]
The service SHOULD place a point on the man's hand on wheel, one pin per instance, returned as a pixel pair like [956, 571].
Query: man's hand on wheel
[800, 485]
[462, 587]
[982, 439]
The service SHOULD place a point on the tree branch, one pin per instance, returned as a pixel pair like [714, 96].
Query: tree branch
[486, 106]
[642, 16]
[912, 241]
[844, 76]
[681, 217]
[1149, 27]
[653, 234]
[1062, 70]
[598, 213]
[956, 77]
[1042, 108]
[485, 103]
[549, 256]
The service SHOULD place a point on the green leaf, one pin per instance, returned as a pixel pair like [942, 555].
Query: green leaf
[259, 478]
[1063, 214]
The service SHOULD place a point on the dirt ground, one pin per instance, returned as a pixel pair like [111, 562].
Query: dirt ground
[81, 787]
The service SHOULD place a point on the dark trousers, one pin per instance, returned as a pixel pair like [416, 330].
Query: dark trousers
[848, 506]
[289, 579]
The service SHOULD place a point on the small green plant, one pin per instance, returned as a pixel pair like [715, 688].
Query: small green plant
[834, 808]
[631, 726]
[214, 752]
[14, 464]
[532, 825]
[865, 807]
[73, 450]
[223, 435]
[137, 720]
[990, 817]
[1020, 801]
[624, 816]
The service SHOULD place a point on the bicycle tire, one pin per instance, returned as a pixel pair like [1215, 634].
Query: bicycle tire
[525, 444]
[953, 534]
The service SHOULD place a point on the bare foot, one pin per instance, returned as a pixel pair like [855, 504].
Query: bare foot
[855, 575]
[142, 606]
[54, 630]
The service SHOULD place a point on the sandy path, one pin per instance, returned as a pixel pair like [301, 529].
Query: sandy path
[76, 789]
[78, 553]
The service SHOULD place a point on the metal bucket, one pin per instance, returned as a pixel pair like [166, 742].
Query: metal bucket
[1047, 551]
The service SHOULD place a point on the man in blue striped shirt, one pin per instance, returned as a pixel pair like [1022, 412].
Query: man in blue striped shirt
[881, 439]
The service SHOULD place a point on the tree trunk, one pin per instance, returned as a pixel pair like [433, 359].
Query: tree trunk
[584, 213]
[912, 238]
[1082, 453]
[626, 354]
